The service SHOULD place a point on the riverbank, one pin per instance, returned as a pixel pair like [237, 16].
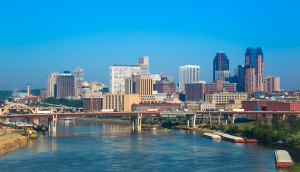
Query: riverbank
[11, 143]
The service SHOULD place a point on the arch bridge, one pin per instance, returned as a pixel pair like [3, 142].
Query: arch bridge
[32, 110]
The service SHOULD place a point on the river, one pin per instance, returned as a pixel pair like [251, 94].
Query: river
[94, 146]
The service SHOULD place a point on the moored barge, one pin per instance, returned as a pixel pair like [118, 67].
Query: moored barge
[283, 159]
[212, 136]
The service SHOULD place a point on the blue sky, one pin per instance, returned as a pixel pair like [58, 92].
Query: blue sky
[40, 37]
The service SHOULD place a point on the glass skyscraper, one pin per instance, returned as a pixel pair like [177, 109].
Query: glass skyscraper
[220, 63]
[253, 70]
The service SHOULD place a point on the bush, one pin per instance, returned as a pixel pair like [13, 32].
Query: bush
[236, 129]
[222, 127]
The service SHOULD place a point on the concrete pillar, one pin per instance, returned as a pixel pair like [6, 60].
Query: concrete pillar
[187, 120]
[138, 123]
[52, 122]
[283, 117]
[202, 119]
[193, 120]
[225, 118]
[132, 123]
[232, 116]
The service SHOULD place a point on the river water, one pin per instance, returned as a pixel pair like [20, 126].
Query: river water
[92, 146]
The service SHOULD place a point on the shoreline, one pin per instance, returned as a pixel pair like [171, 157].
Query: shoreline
[11, 143]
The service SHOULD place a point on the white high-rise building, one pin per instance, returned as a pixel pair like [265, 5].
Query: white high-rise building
[78, 76]
[222, 74]
[188, 74]
[51, 81]
[143, 62]
[117, 76]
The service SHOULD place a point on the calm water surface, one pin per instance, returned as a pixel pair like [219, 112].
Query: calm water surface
[90, 146]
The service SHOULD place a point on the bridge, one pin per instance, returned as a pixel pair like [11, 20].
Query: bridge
[32, 110]
[136, 117]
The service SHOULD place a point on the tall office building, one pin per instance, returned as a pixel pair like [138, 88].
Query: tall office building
[117, 76]
[51, 81]
[78, 75]
[253, 70]
[78, 79]
[240, 85]
[141, 85]
[222, 74]
[188, 74]
[220, 63]
[65, 85]
[143, 62]
[271, 84]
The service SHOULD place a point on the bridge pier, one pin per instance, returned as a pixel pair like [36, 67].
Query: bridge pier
[187, 120]
[193, 120]
[52, 123]
[136, 123]
[282, 116]
[225, 118]
[232, 116]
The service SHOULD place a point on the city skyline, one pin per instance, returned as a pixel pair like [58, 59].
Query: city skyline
[171, 39]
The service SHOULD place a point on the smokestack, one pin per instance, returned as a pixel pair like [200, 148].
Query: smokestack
[28, 90]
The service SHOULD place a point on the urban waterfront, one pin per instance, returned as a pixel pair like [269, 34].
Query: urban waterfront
[91, 146]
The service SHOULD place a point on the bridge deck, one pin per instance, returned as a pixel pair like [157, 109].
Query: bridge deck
[62, 115]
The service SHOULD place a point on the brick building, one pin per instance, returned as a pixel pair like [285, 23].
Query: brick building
[196, 91]
[165, 87]
[271, 105]
[92, 104]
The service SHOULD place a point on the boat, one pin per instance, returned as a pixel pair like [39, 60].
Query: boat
[283, 159]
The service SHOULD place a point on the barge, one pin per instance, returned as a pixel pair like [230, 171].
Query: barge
[212, 136]
[283, 159]
[230, 138]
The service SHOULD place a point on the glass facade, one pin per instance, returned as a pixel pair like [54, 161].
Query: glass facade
[220, 63]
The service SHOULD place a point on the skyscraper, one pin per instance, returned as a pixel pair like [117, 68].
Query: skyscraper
[117, 76]
[220, 63]
[78, 79]
[253, 70]
[65, 85]
[78, 75]
[240, 75]
[188, 74]
[51, 81]
[143, 62]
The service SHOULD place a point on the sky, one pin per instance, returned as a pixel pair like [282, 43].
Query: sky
[41, 37]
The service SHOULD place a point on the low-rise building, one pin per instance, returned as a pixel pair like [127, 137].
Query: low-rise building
[198, 106]
[224, 97]
[160, 106]
[120, 102]
[270, 106]
[92, 104]
[196, 91]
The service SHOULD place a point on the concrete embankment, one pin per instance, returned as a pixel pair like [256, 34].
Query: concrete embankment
[11, 143]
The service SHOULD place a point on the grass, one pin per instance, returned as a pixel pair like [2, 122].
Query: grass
[19, 131]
